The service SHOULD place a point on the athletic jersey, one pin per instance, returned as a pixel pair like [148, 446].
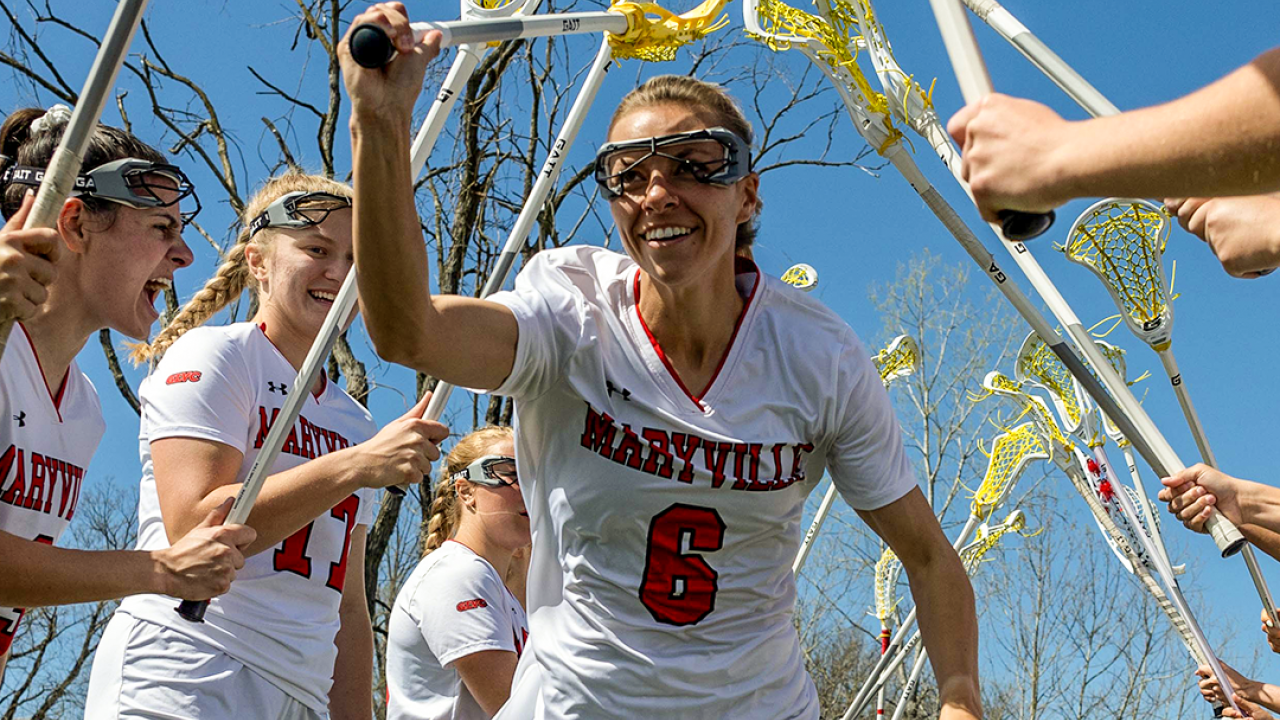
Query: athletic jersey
[453, 605]
[46, 439]
[227, 385]
[664, 525]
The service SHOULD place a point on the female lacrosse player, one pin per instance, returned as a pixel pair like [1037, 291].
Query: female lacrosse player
[292, 639]
[116, 246]
[675, 408]
[456, 630]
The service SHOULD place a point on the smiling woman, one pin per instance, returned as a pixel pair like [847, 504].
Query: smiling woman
[292, 638]
[660, 575]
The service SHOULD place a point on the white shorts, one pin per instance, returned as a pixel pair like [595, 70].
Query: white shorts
[144, 670]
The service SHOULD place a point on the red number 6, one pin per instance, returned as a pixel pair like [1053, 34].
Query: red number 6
[679, 587]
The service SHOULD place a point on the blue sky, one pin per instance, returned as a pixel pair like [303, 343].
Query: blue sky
[853, 227]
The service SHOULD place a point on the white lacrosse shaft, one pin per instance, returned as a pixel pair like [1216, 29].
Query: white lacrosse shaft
[537, 198]
[823, 510]
[64, 166]
[335, 322]
[370, 46]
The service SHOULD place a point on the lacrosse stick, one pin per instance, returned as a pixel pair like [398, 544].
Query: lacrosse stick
[629, 28]
[64, 166]
[1122, 241]
[972, 556]
[1111, 394]
[1073, 464]
[344, 303]
[1035, 361]
[975, 84]
[1011, 452]
[801, 276]
[900, 358]
[888, 568]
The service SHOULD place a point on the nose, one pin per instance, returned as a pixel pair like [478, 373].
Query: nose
[660, 193]
[181, 255]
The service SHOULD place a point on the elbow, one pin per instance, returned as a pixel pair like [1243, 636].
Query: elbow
[401, 344]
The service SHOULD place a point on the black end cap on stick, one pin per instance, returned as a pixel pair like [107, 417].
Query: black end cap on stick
[193, 610]
[1024, 226]
[370, 46]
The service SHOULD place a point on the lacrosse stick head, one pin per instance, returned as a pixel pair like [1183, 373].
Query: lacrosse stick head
[1122, 240]
[801, 276]
[899, 359]
[1059, 446]
[988, 536]
[888, 568]
[1114, 356]
[654, 34]
[483, 9]
[1037, 366]
[1011, 452]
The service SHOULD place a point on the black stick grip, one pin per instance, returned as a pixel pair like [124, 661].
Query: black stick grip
[370, 46]
[193, 610]
[1024, 226]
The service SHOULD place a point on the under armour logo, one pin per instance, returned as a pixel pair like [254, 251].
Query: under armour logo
[625, 393]
[21, 417]
[282, 388]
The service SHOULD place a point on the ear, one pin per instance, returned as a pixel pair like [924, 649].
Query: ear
[256, 260]
[750, 198]
[466, 493]
[71, 220]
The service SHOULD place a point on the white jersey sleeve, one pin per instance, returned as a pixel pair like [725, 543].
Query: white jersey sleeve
[867, 460]
[201, 390]
[453, 605]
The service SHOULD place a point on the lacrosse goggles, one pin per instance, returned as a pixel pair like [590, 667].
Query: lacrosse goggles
[299, 209]
[491, 471]
[714, 156]
[136, 183]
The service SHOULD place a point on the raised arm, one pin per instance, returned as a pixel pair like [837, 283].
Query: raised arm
[1221, 140]
[464, 341]
[940, 586]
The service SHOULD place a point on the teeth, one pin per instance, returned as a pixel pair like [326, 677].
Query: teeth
[163, 283]
[320, 295]
[666, 232]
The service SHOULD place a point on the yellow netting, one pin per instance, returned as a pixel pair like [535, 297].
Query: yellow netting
[888, 568]
[838, 39]
[988, 537]
[998, 384]
[1114, 356]
[1010, 453]
[877, 42]
[654, 33]
[1122, 242]
[801, 276]
[898, 359]
[1037, 363]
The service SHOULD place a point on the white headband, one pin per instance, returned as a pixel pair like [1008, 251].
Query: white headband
[57, 115]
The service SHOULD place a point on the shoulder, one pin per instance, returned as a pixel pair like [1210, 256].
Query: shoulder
[208, 344]
[585, 267]
[804, 323]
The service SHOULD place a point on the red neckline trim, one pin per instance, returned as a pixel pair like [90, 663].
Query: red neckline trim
[740, 263]
[54, 397]
[324, 379]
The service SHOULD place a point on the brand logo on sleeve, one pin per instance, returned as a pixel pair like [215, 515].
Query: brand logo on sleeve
[466, 605]
[181, 377]
[282, 388]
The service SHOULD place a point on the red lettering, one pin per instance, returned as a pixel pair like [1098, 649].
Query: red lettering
[35, 491]
[629, 450]
[714, 461]
[308, 444]
[19, 487]
[660, 461]
[797, 470]
[685, 445]
[181, 377]
[598, 433]
[466, 605]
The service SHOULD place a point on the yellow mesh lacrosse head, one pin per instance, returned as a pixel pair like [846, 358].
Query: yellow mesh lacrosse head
[888, 567]
[1114, 356]
[908, 100]
[1122, 241]
[988, 537]
[654, 34]
[1011, 452]
[900, 358]
[1059, 445]
[801, 276]
[1037, 365]
[832, 41]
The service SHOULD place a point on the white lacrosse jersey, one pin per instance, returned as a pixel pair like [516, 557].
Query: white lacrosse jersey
[453, 605]
[47, 437]
[227, 385]
[665, 524]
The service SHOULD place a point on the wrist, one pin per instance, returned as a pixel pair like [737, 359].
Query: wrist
[159, 581]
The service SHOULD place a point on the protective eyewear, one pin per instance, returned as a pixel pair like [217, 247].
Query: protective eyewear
[714, 156]
[491, 471]
[136, 183]
[299, 209]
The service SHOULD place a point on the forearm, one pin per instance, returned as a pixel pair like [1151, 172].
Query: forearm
[391, 260]
[949, 626]
[1221, 140]
[352, 693]
[37, 575]
[1260, 516]
[288, 500]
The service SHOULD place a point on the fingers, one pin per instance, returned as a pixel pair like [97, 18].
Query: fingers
[419, 408]
[19, 219]
[217, 515]
[958, 125]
